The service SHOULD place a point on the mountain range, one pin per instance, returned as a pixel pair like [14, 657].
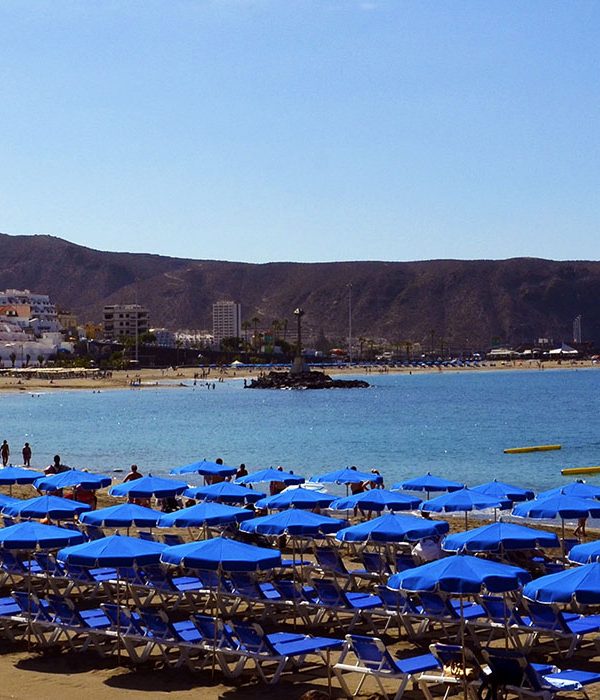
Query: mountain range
[462, 303]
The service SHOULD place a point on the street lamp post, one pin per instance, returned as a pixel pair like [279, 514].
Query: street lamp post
[298, 366]
[350, 322]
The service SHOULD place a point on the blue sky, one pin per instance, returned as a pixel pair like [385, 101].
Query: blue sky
[307, 130]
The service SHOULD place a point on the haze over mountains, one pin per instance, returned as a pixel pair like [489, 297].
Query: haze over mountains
[467, 304]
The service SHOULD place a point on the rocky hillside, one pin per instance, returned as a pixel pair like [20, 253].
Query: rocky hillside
[465, 303]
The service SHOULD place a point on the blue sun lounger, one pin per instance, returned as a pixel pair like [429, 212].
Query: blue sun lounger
[335, 603]
[373, 660]
[512, 673]
[548, 620]
[279, 649]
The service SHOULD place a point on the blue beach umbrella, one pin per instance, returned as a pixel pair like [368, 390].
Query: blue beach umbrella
[464, 500]
[149, 486]
[72, 478]
[377, 500]
[205, 468]
[580, 584]
[225, 492]
[46, 507]
[585, 553]
[122, 515]
[31, 535]
[7, 500]
[576, 488]
[460, 575]
[269, 475]
[347, 476]
[222, 554]
[293, 522]
[428, 483]
[17, 475]
[205, 513]
[113, 551]
[296, 498]
[393, 528]
[559, 506]
[499, 537]
[505, 492]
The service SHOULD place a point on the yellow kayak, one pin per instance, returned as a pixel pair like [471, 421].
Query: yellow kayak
[535, 448]
[580, 470]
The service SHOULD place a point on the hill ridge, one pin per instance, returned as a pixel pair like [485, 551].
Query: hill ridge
[466, 303]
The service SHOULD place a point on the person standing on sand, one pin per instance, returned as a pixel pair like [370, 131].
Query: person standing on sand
[5, 452]
[356, 487]
[133, 474]
[580, 529]
[56, 467]
[26, 455]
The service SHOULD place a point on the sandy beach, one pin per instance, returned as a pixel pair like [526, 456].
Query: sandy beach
[184, 376]
[57, 675]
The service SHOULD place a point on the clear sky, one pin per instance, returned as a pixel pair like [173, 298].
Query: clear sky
[306, 130]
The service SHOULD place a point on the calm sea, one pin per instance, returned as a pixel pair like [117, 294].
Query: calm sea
[452, 424]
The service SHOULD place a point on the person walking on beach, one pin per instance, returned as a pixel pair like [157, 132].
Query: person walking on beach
[5, 451]
[26, 455]
[356, 487]
[580, 529]
[276, 487]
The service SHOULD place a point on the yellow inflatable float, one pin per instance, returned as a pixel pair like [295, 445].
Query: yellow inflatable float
[580, 470]
[535, 448]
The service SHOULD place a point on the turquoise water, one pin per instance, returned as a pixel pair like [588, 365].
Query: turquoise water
[453, 424]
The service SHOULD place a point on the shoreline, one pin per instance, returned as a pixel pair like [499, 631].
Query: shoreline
[180, 376]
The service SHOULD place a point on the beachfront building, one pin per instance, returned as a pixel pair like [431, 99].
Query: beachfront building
[164, 337]
[29, 311]
[68, 321]
[227, 320]
[125, 320]
[30, 330]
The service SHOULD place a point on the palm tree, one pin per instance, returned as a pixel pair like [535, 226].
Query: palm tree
[246, 326]
[40, 359]
[276, 326]
[361, 342]
[27, 358]
[13, 357]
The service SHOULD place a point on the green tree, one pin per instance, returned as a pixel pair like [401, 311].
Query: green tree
[230, 344]
[40, 359]
[361, 344]
[246, 326]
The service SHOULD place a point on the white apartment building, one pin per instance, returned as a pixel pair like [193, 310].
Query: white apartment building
[124, 320]
[164, 337]
[227, 320]
[28, 310]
